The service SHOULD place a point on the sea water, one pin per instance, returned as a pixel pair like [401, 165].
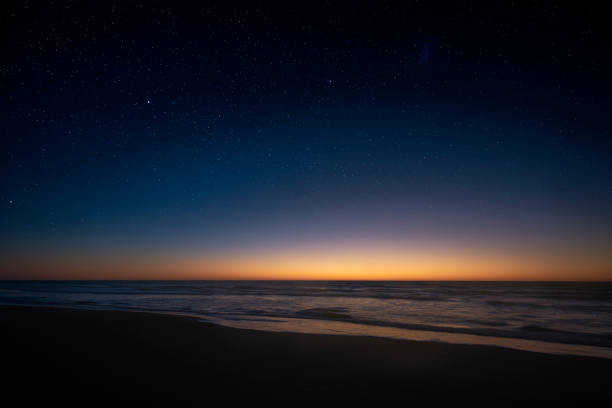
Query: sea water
[567, 317]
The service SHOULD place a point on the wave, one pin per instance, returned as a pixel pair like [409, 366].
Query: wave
[573, 313]
[335, 313]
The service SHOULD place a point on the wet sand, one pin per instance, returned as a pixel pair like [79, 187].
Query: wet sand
[87, 358]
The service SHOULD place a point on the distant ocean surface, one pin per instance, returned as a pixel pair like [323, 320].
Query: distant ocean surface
[570, 318]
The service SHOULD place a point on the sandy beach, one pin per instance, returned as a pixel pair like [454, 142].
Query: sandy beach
[126, 358]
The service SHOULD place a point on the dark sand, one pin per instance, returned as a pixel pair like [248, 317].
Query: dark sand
[126, 358]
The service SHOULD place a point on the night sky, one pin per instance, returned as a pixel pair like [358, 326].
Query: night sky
[323, 140]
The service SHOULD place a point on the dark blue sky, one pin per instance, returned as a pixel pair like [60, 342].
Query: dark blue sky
[154, 128]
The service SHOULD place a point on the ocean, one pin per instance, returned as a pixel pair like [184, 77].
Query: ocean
[565, 318]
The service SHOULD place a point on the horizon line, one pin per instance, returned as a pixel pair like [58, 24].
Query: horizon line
[304, 280]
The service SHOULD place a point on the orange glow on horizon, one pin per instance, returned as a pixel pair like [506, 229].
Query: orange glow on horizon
[356, 264]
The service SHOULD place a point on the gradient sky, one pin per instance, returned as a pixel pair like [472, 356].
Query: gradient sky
[390, 141]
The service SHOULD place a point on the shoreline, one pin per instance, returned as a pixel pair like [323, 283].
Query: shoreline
[347, 328]
[86, 356]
